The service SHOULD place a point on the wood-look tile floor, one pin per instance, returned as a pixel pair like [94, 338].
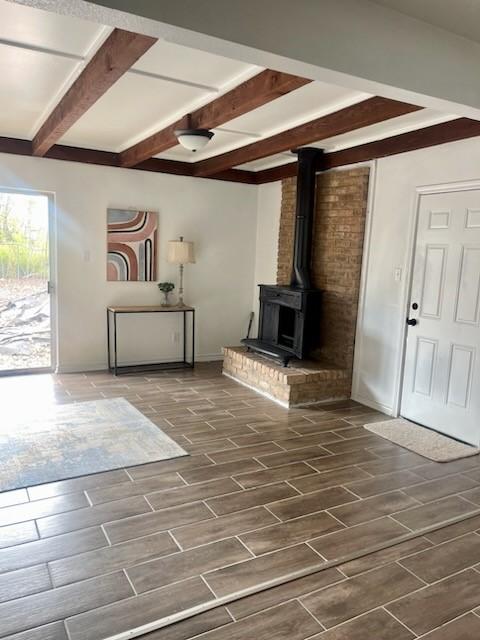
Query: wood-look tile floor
[265, 491]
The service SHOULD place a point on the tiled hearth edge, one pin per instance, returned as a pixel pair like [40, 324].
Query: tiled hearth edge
[280, 580]
[287, 386]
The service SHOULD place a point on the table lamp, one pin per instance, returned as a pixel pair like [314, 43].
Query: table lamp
[180, 252]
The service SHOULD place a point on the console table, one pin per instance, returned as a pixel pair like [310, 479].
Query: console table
[113, 312]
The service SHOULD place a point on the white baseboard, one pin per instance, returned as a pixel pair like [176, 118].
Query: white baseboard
[373, 404]
[102, 366]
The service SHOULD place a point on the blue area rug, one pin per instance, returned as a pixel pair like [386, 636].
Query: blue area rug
[70, 440]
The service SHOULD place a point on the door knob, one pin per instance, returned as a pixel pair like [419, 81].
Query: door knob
[411, 322]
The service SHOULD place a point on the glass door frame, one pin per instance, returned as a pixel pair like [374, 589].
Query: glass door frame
[51, 283]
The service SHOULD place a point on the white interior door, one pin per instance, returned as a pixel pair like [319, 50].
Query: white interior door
[441, 386]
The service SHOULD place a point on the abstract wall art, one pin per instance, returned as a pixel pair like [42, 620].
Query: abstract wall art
[131, 245]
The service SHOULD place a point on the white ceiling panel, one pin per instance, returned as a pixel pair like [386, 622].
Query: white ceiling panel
[28, 81]
[190, 65]
[267, 163]
[45, 29]
[133, 108]
[392, 127]
[221, 142]
[169, 81]
[302, 105]
[309, 102]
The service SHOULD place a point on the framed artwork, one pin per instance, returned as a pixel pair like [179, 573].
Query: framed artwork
[131, 245]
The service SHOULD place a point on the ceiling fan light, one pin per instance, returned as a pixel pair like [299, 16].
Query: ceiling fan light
[194, 139]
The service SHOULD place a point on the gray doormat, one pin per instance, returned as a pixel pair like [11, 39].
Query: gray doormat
[70, 440]
[426, 442]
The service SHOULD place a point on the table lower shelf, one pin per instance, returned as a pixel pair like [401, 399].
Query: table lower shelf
[154, 366]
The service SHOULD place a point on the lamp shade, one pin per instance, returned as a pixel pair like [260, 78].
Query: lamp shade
[180, 252]
[194, 139]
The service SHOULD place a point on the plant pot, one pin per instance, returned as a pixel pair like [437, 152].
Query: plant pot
[166, 298]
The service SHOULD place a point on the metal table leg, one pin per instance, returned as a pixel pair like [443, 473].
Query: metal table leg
[115, 343]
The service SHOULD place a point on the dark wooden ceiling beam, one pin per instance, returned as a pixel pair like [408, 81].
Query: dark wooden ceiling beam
[452, 131]
[16, 146]
[356, 116]
[116, 55]
[251, 94]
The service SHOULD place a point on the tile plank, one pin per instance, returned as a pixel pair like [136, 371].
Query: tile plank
[381, 484]
[192, 493]
[250, 498]
[231, 455]
[369, 626]
[108, 559]
[125, 615]
[311, 502]
[448, 558]
[385, 556]
[48, 549]
[56, 604]
[9, 498]
[287, 472]
[167, 466]
[137, 488]
[156, 521]
[435, 489]
[52, 489]
[24, 582]
[19, 533]
[292, 532]
[186, 564]
[465, 628]
[295, 455]
[343, 460]
[278, 564]
[91, 516]
[194, 626]
[216, 471]
[372, 508]
[434, 512]
[359, 594]
[222, 527]
[284, 592]
[54, 631]
[342, 543]
[438, 603]
[42, 508]
[288, 621]
[327, 479]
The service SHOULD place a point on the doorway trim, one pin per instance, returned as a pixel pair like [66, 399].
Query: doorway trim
[52, 259]
[447, 187]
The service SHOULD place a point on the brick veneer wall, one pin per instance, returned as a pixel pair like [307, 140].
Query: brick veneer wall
[337, 255]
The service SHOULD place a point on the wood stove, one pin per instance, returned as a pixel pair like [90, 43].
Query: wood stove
[290, 315]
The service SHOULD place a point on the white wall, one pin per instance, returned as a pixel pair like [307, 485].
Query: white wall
[379, 346]
[268, 221]
[220, 217]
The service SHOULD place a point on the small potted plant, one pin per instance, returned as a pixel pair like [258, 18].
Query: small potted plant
[166, 288]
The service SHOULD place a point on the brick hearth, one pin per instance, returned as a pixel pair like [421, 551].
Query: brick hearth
[298, 384]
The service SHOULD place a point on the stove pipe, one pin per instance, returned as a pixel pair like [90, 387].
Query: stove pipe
[308, 158]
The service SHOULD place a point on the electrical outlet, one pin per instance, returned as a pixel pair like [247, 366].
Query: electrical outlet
[175, 337]
[397, 274]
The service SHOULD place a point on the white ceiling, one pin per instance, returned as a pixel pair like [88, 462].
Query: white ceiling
[457, 16]
[41, 53]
